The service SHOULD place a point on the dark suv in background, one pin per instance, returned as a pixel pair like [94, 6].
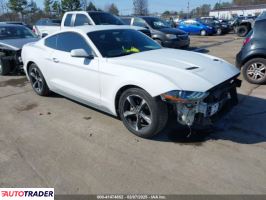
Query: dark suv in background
[252, 57]
[220, 27]
[161, 31]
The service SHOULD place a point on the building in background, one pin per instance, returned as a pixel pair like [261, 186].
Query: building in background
[228, 13]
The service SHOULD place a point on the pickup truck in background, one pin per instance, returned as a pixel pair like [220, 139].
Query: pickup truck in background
[80, 18]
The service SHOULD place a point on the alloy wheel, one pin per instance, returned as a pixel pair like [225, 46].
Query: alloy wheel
[36, 80]
[1, 68]
[137, 113]
[256, 71]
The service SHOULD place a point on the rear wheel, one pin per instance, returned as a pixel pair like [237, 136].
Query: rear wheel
[37, 80]
[5, 67]
[203, 32]
[254, 71]
[242, 31]
[142, 114]
[219, 31]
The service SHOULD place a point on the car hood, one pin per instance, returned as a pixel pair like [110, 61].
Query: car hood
[16, 44]
[187, 70]
[174, 31]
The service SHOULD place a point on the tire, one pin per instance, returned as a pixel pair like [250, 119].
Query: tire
[254, 71]
[142, 114]
[37, 81]
[158, 41]
[242, 31]
[5, 66]
[203, 32]
[219, 31]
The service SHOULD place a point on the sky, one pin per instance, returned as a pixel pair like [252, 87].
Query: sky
[125, 6]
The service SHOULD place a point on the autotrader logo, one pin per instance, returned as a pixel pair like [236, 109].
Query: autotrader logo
[26, 193]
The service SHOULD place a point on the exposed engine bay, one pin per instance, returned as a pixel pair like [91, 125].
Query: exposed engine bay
[10, 60]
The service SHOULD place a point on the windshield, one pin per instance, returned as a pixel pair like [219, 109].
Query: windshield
[121, 42]
[157, 23]
[15, 32]
[105, 19]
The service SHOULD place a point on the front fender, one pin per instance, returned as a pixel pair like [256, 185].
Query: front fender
[151, 82]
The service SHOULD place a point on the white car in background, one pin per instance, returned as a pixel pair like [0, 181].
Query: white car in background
[125, 73]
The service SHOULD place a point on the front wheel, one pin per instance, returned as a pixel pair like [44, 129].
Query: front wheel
[37, 81]
[203, 32]
[142, 114]
[254, 71]
[5, 67]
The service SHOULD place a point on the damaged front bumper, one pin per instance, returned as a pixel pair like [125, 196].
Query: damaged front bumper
[219, 100]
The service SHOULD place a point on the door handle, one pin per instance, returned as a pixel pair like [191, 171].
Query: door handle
[55, 60]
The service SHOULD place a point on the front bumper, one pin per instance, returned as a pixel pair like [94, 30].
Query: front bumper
[176, 43]
[221, 100]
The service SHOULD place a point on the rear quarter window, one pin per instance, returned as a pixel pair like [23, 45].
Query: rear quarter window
[51, 42]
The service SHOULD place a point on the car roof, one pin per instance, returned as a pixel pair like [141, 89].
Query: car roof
[147, 17]
[10, 22]
[10, 25]
[89, 28]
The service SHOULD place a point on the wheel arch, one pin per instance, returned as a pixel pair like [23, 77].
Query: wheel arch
[28, 65]
[120, 92]
[260, 55]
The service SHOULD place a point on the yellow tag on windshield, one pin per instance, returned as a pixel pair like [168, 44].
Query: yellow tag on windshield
[132, 50]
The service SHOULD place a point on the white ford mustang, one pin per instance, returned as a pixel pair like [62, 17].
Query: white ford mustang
[125, 73]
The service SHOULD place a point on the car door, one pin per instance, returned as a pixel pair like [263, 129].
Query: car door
[185, 26]
[75, 77]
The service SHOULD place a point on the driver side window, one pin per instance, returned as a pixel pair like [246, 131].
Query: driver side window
[70, 40]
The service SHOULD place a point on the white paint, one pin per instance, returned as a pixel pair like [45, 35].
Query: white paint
[97, 81]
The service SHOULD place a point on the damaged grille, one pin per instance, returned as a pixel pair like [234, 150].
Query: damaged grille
[221, 91]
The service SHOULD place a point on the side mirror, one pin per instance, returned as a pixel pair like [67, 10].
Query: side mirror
[81, 53]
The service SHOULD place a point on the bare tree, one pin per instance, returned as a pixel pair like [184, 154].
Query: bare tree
[112, 8]
[3, 6]
[140, 7]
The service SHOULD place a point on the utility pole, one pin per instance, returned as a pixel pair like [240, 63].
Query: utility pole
[188, 9]
[219, 9]
[85, 5]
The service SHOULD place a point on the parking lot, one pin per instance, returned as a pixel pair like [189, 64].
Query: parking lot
[56, 142]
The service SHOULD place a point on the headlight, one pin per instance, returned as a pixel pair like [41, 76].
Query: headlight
[171, 36]
[179, 96]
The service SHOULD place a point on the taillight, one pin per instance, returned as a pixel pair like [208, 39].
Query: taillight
[246, 41]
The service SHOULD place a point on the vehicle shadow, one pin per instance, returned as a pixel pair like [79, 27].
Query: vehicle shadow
[198, 49]
[245, 124]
